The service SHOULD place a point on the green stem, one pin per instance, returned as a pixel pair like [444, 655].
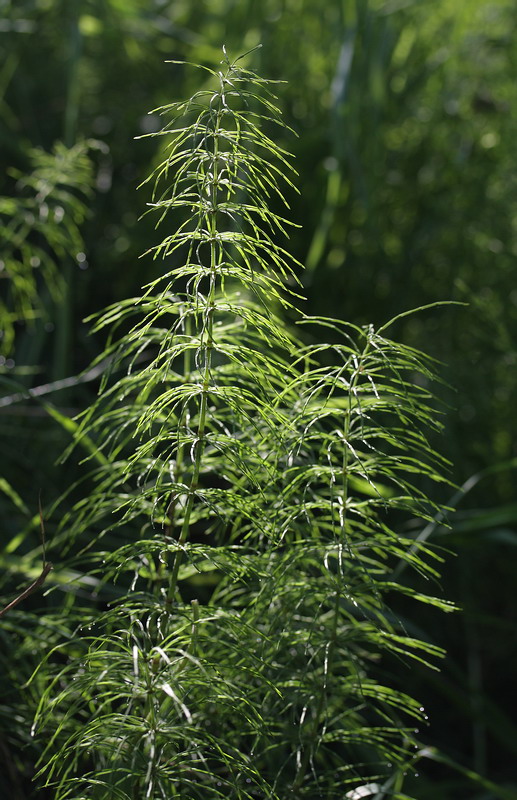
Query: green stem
[211, 221]
[72, 91]
[63, 344]
[304, 764]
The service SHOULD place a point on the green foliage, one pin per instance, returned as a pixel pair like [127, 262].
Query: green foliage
[406, 170]
[252, 500]
[40, 229]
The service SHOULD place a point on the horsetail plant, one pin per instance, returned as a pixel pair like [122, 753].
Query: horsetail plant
[40, 227]
[246, 510]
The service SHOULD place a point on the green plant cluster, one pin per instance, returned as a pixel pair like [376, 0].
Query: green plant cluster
[228, 450]
[406, 162]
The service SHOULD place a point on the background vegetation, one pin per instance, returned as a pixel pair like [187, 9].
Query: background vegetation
[405, 155]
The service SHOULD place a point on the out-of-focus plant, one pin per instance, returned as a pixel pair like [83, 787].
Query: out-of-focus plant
[40, 231]
[40, 234]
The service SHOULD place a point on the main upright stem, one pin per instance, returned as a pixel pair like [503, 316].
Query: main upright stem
[210, 217]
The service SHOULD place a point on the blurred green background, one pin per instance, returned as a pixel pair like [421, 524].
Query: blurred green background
[406, 150]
